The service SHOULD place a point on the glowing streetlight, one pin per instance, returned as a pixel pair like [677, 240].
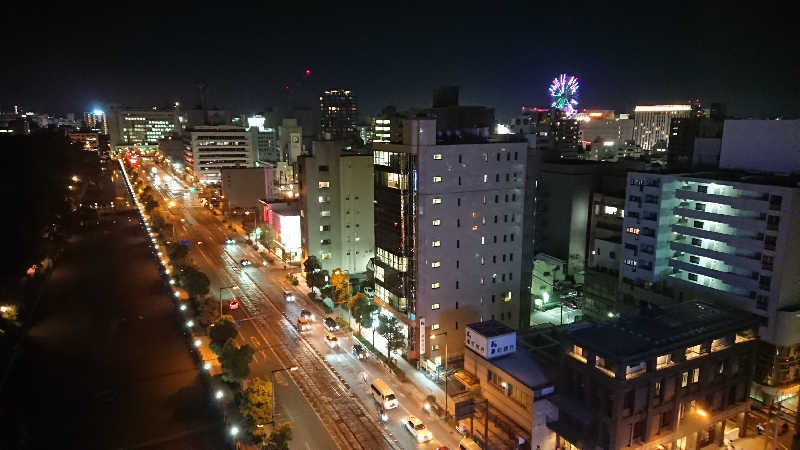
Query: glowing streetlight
[182, 308]
[172, 282]
[701, 412]
[198, 342]
[177, 294]
[190, 323]
[234, 430]
[219, 394]
[207, 366]
[75, 178]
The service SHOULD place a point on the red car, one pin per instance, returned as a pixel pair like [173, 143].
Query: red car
[233, 304]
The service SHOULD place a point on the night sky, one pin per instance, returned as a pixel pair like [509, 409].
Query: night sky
[502, 54]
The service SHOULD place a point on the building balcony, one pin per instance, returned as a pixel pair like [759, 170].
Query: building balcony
[740, 222]
[739, 202]
[738, 241]
[728, 258]
[729, 278]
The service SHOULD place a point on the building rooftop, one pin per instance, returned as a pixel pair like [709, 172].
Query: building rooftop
[738, 176]
[490, 328]
[630, 337]
[523, 367]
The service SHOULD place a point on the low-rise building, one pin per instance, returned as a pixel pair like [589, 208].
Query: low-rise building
[672, 379]
[284, 219]
[243, 187]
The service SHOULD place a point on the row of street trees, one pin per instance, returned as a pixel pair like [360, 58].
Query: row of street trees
[362, 309]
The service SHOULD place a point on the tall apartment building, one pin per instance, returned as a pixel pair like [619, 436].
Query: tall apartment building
[214, 148]
[652, 124]
[448, 229]
[670, 379]
[96, 120]
[337, 201]
[140, 126]
[265, 140]
[338, 114]
[730, 236]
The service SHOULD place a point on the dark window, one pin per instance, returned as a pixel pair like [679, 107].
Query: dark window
[459, 159]
[703, 189]
[459, 180]
[515, 156]
[458, 243]
[694, 259]
[627, 402]
[456, 324]
[497, 177]
[697, 241]
[693, 276]
[323, 168]
[700, 206]
[456, 284]
[458, 223]
[492, 298]
[456, 305]
[496, 198]
[458, 264]
[698, 224]
[495, 219]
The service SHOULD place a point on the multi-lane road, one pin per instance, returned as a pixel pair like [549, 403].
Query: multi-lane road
[326, 399]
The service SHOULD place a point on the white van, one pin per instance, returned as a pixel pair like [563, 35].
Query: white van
[468, 444]
[383, 394]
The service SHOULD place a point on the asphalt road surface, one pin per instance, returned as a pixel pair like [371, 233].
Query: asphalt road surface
[106, 365]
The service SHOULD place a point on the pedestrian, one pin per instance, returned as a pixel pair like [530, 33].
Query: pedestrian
[759, 429]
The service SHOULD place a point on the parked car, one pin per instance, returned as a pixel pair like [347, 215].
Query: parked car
[331, 340]
[307, 314]
[417, 428]
[330, 324]
[303, 324]
[359, 352]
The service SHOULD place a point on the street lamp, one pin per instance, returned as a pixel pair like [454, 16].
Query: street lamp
[219, 394]
[232, 288]
[275, 390]
[433, 337]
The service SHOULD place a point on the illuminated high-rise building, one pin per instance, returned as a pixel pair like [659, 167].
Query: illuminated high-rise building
[652, 124]
[142, 127]
[338, 114]
[96, 120]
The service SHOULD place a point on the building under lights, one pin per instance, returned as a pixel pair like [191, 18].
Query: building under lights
[284, 219]
[605, 133]
[337, 199]
[338, 114]
[670, 379]
[142, 127]
[264, 139]
[214, 148]
[651, 129]
[96, 120]
[448, 230]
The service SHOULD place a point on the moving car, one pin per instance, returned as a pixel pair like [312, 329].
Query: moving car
[331, 340]
[359, 352]
[245, 262]
[303, 324]
[230, 240]
[288, 296]
[330, 324]
[307, 314]
[234, 304]
[417, 428]
[383, 394]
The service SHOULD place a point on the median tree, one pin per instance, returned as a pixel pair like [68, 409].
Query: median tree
[235, 361]
[390, 329]
[220, 332]
[257, 406]
[206, 310]
[177, 253]
[280, 437]
[195, 282]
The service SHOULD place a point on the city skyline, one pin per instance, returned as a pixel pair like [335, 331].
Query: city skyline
[504, 60]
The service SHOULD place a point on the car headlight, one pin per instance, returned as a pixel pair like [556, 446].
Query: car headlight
[420, 437]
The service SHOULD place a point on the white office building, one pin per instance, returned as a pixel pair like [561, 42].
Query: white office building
[217, 147]
[337, 203]
[651, 127]
[141, 127]
[448, 234]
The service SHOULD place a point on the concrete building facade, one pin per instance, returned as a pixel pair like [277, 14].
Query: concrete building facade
[728, 236]
[338, 114]
[337, 201]
[652, 124]
[448, 224]
[214, 148]
[243, 187]
[140, 126]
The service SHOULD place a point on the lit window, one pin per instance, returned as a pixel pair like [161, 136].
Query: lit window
[378, 273]
[436, 200]
[437, 156]
[435, 306]
[632, 230]
[325, 213]
[437, 243]
[437, 179]
[485, 178]
[436, 222]
[483, 240]
[435, 327]
[436, 264]
[324, 184]
[474, 228]
[435, 285]
[693, 351]
[684, 379]
[695, 375]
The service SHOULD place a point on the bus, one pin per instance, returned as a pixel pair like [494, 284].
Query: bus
[383, 394]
